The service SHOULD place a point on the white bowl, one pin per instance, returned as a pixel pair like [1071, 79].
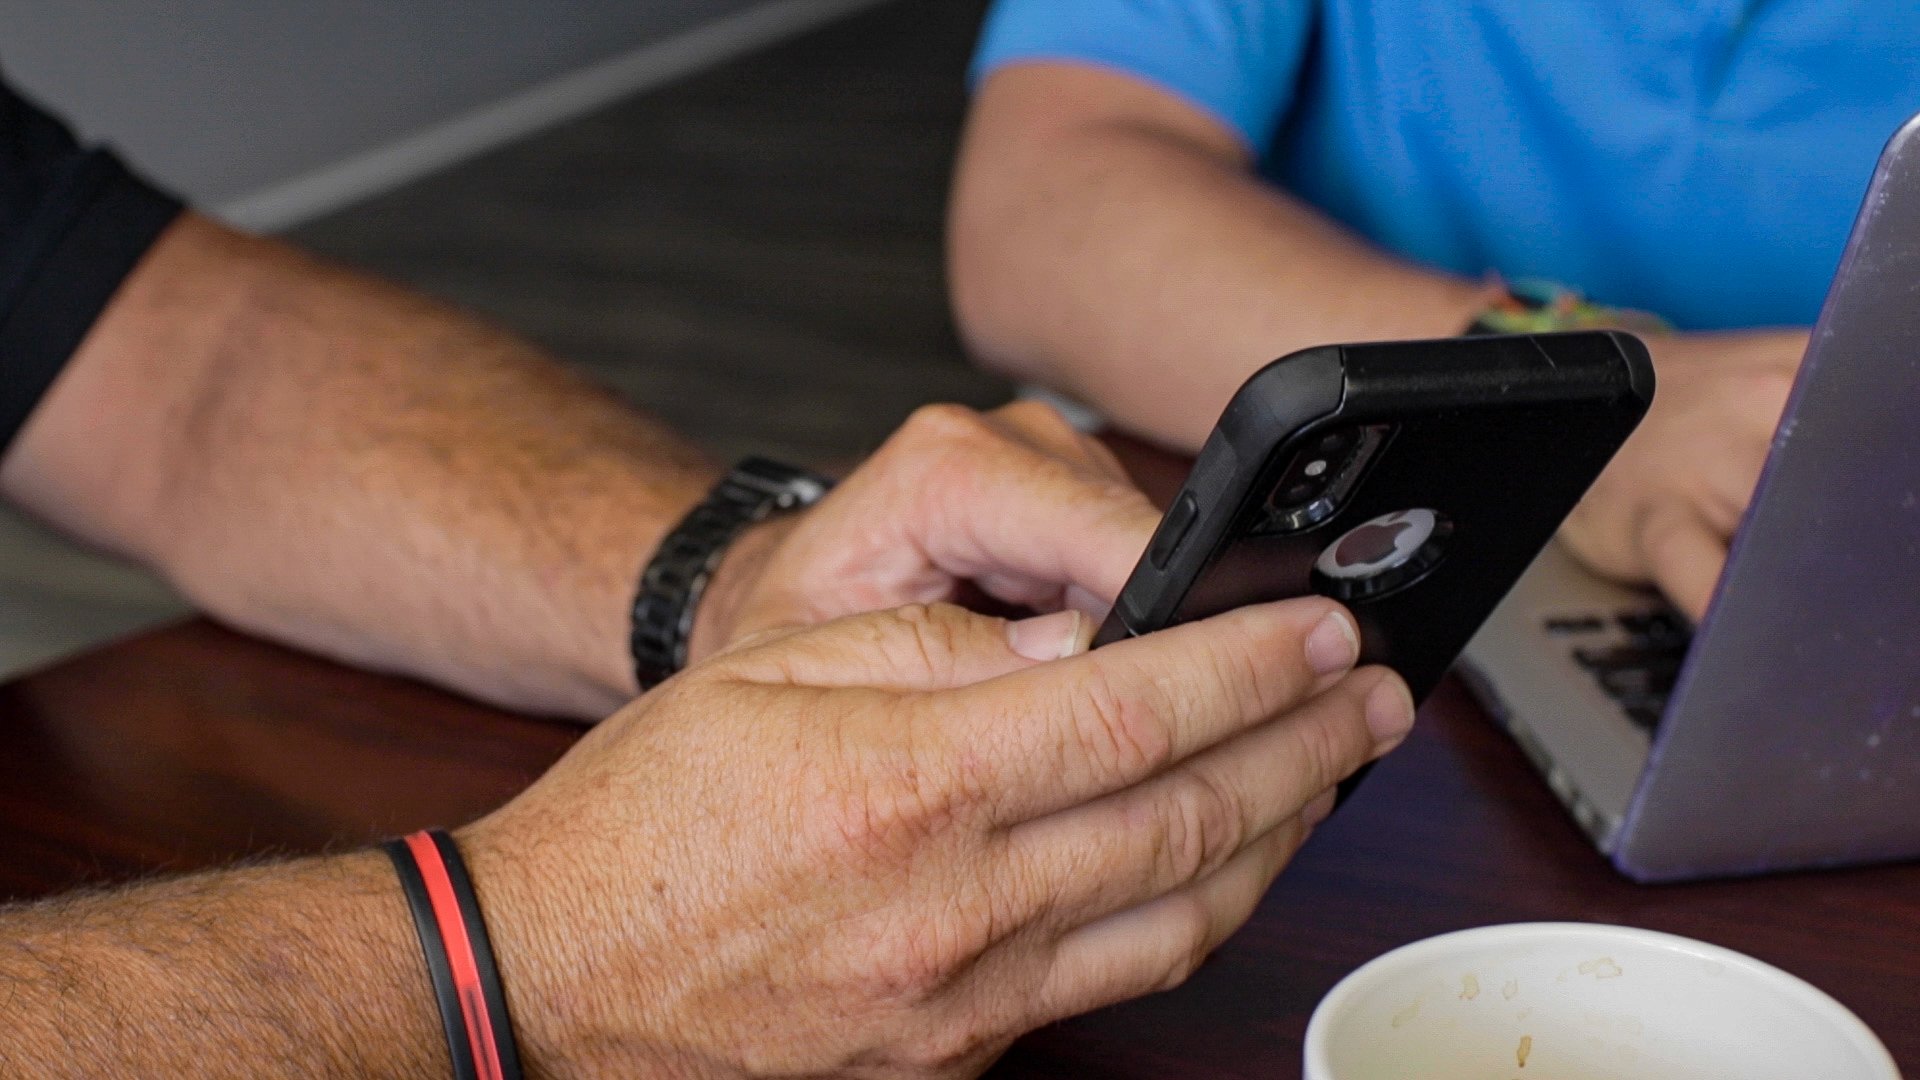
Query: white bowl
[1582, 1001]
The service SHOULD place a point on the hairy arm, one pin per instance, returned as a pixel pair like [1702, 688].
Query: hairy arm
[307, 968]
[1112, 241]
[346, 466]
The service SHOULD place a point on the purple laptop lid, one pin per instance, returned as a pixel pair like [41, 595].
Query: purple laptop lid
[1793, 737]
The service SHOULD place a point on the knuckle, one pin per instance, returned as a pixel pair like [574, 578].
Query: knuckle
[883, 823]
[1025, 408]
[1190, 941]
[920, 957]
[1665, 530]
[859, 832]
[1331, 747]
[1042, 417]
[914, 797]
[1006, 903]
[948, 1047]
[941, 457]
[1204, 827]
[931, 943]
[1122, 734]
[970, 789]
[1769, 385]
[933, 638]
[944, 422]
[965, 788]
[1113, 503]
[1104, 459]
[1249, 680]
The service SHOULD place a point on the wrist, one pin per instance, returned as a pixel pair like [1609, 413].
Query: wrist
[1472, 300]
[519, 887]
[1403, 302]
[674, 584]
[735, 582]
[1533, 306]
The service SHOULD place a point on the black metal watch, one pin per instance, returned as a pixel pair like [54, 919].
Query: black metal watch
[671, 586]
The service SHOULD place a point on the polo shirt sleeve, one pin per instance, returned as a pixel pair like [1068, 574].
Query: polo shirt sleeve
[73, 224]
[1237, 60]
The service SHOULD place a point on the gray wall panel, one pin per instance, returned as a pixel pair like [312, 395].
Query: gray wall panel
[224, 98]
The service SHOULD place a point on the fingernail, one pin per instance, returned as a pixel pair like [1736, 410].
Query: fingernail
[1318, 810]
[1390, 710]
[1333, 646]
[1053, 636]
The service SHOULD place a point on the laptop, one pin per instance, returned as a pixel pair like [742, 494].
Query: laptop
[1783, 732]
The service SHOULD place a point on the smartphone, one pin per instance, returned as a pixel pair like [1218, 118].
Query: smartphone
[1412, 481]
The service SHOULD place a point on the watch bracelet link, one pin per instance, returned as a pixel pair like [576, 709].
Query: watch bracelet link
[677, 575]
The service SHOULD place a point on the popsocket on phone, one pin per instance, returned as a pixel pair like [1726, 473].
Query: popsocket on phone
[1383, 555]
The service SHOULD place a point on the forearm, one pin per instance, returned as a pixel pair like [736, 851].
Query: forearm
[321, 458]
[1112, 242]
[309, 968]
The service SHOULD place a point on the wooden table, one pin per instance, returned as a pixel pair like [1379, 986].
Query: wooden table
[192, 746]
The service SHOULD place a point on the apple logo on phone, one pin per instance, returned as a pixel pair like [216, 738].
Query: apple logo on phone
[1379, 556]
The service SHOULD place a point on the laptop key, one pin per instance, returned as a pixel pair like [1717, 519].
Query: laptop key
[1645, 715]
[1623, 683]
[1639, 662]
[1575, 624]
[1618, 657]
[1656, 628]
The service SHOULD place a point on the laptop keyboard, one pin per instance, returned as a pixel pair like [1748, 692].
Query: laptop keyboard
[1635, 656]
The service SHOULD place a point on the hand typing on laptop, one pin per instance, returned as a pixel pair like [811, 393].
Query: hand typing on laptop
[1778, 733]
[1663, 511]
[1153, 200]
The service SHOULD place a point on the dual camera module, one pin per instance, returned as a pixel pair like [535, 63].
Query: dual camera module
[1319, 477]
[1371, 560]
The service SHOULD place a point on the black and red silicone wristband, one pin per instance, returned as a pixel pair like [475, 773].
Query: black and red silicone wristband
[459, 955]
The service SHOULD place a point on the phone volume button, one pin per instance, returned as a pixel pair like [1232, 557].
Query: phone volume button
[1173, 529]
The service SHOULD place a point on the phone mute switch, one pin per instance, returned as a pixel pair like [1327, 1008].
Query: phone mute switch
[1173, 529]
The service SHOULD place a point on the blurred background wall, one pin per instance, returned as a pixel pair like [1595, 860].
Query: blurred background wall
[727, 211]
[272, 113]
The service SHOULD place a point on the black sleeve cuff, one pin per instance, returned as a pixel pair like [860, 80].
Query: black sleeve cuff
[115, 218]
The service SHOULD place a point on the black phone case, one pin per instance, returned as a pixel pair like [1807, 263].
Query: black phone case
[1499, 435]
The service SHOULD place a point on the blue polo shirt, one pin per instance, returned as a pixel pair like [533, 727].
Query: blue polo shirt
[1702, 159]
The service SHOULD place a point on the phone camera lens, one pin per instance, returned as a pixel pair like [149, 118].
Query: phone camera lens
[1316, 482]
[1297, 493]
[1335, 445]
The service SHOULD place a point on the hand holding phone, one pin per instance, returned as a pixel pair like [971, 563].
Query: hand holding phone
[1412, 481]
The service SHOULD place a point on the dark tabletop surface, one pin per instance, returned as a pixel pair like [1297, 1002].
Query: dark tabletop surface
[192, 746]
